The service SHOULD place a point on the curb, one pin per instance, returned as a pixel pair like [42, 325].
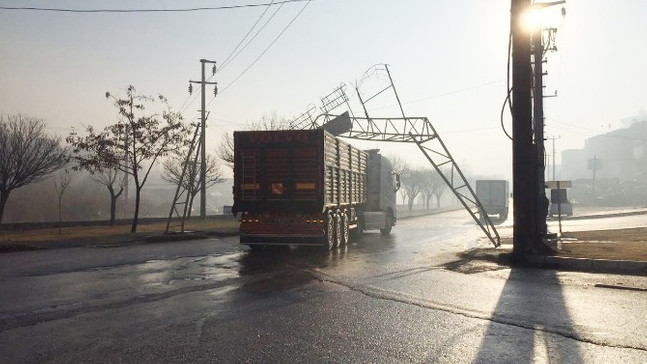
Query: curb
[602, 215]
[189, 235]
[590, 265]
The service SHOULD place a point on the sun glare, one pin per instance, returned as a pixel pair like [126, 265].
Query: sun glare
[534, 18]
[538, 17]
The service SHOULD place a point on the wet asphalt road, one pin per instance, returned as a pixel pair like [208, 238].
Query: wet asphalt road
[382, 300]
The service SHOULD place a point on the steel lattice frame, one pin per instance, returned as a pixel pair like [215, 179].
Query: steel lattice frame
[419, 130]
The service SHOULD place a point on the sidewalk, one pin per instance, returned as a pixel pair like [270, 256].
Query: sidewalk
[622, 251]
[587, 212]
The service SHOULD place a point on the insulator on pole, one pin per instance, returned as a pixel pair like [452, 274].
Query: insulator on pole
[190, 88]
[215, 90]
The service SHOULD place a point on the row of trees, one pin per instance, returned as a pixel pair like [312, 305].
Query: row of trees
[128, 150]
[122, 152]
[418, 182]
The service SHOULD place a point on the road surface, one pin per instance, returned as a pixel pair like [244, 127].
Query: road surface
[404, 298]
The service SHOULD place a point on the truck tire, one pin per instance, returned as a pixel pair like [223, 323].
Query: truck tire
[338, 237]
[344, 231]
[331, 238]
[389, 224]
[358, 231]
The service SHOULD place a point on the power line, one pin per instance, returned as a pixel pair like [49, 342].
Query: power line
[227, 7]
[451, 92]
[264, 51]
[231, 55]
[603, 134]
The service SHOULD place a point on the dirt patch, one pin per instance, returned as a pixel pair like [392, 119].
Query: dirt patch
[480, 260]
[97, 235]
[619, 244]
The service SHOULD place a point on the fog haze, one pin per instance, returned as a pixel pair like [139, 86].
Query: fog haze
[448, 61]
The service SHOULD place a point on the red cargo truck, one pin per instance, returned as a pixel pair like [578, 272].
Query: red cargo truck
[307, 187]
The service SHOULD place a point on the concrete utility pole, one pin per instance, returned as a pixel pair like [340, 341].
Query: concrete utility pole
[524, 153]
[538, 113]
[203, 145]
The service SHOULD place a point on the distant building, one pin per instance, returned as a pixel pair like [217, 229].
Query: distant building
[619, 159]
[574, 164]
[619, 154]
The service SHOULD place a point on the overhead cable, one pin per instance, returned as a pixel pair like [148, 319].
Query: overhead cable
[266, 49]
[225, 7]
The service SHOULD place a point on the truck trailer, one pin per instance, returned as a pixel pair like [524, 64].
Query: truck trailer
[308, 187]
[494, 196]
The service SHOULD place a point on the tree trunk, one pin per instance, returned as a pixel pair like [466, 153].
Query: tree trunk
[133, 228]
[4, 197]
[60, 215]
[190, 207]
[113, 209]
[113, 205]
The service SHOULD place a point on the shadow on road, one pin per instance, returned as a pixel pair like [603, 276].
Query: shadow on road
[530, 323]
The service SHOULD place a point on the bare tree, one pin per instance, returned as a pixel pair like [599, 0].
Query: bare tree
[401, 167]
[438, 187]
[105, 174]
[192, 181]
[225, 149]
[115, 182]
[413, 181]
[61, 183]
[28, 154]
[134, 144]
[427, 187]
[269, 122]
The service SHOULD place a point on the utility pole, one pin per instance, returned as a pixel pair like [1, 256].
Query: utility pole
[553, 155]
[524, 154]
[594, 167]
[538, 121]
[203, 120]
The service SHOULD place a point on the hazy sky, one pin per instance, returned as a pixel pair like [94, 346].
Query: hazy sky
[447, 58]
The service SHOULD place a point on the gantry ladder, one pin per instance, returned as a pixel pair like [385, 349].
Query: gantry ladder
[182, 190]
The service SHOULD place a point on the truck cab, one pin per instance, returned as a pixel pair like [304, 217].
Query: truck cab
[381, 187]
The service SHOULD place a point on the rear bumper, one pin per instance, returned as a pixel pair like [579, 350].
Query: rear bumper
[275, 239]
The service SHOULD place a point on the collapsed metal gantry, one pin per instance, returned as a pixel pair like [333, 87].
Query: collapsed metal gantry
[418, 130]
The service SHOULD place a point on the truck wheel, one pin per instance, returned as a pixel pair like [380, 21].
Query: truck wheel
[343, 238]
[359, 230]
[389, 224]
[338, 233]
[481, 216]
[330, 232]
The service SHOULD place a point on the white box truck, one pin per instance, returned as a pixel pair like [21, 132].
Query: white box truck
[494, 197]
